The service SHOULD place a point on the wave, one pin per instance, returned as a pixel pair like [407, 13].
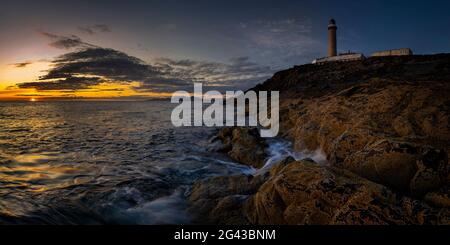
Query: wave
[281, 149]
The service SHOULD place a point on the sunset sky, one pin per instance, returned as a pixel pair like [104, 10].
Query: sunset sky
[141, 49]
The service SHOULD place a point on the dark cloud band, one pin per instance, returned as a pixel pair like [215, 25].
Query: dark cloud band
[63, 42]
[22, 64]
[90, 65]
[94, 29]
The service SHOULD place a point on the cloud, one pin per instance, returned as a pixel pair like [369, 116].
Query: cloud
[212, 72]
[63, 42]
[111, 64]
[238, 73]
[68, 83]
[91, 65]
[282, 41]
[22, 64]
[85, 68]
[94, 29]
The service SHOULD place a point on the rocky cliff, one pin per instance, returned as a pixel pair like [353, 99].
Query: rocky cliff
[383, 124]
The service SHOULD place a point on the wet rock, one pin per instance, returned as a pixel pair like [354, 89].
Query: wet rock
[440, 198]
[403, 126]
[223, 186]
[392, 132]
[244, 145]
[383, 124]
[406, 167]
[219, 200]
[228, 210]
[306, 193]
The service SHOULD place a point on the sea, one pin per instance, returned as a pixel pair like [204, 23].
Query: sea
[105, 162]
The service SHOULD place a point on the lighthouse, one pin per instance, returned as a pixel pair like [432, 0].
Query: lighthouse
[332, 42]
[333, 55]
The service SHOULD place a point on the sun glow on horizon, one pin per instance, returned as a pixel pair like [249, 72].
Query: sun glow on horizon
[12, 75]
[108, 91]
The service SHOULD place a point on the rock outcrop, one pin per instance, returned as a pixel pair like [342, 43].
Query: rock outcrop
[385, 119]
[384, 126]
[243, 145]
[219, 200]
[295, 193]
[305, 193]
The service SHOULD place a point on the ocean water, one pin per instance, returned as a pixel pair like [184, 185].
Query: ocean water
[77, 162]
[100, 163]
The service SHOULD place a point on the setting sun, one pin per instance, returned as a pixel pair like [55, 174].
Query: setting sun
[33, 100]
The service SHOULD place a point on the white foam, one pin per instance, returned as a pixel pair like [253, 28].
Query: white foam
[165, 210]
[281, 149]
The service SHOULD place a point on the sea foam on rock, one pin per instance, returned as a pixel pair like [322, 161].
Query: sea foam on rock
[303, 192]
[383, 124]
[244, 145]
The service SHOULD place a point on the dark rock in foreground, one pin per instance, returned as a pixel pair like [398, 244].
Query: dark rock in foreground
[384, 126]
[299, 193]
[244, 145]
[305, 193]
[219, 200]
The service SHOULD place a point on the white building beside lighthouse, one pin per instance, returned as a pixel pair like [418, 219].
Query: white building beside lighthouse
[333, 55]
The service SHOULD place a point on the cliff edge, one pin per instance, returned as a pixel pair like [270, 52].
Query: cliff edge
[383, 124]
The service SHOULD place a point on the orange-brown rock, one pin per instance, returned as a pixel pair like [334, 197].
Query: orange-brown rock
[305, 193]
[384, 126]
[219, 200]
[244, 145]
[385, 119]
